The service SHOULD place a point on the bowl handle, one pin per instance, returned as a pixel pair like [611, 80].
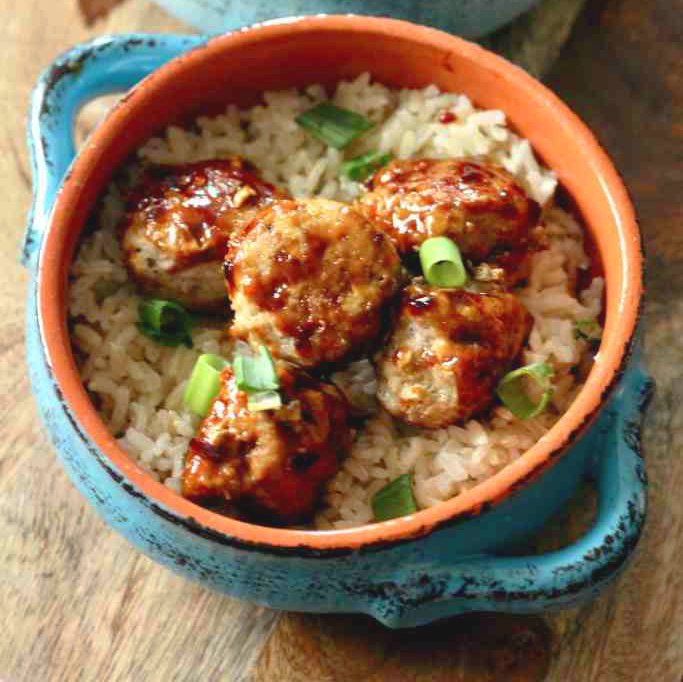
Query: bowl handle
[560, 578]
[88, 70]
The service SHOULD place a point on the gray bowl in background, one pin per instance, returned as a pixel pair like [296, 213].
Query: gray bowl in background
[468, 18]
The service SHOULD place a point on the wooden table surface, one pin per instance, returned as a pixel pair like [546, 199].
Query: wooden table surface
[79, 603]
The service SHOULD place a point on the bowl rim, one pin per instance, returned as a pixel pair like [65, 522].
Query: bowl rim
[603, 377]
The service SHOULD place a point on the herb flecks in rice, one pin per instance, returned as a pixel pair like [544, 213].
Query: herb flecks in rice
[138, 385]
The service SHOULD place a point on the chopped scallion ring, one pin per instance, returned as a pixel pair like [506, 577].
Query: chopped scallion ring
[266, 400]
[394, 500]
[361, 167]
[165, 322]
[442, 263]
[334, 126]
[204, 384]
[255, 374]
[511, 390]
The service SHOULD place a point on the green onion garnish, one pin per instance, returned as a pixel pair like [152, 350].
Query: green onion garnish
[204, 384]
[255, 374]
[511, 390]
[257, 377]
[587, 329]
[266, 400]
[165, 321]
[362, 166]
[334, 126]
[395, 499]
[442, 263]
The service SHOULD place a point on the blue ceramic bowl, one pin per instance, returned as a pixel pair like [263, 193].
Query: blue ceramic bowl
[468, 18]
[439, 562]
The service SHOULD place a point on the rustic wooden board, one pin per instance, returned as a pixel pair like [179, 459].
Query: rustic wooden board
[80, 604]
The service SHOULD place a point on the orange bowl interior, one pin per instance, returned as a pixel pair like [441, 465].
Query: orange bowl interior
[236, 68]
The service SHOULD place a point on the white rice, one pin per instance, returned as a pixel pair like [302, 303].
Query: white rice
[138, 385]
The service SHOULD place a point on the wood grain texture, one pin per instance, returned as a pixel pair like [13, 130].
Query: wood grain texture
[80, 604]
[92, 10]
[478, 648]
[632, 52]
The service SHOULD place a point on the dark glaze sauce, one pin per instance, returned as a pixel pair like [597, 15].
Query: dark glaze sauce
[476, 203]
[193, 209]
[474, 338]
[420, 304]
[472, 175]
[321, 271]
[205, 449]
[272, 463]
[469, 318]
[271, 292]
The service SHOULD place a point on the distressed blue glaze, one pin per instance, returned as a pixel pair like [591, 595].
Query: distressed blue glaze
[461, 566]
[468, 18]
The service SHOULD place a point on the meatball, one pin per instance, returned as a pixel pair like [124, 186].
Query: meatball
[477, 204]
[272, 463]
[177, 224]
[449, 350]
[311, 281]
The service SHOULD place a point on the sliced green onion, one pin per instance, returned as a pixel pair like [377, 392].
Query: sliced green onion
[395, 499]
[511, 389]
[334, 126]
[257, 377]
[165, 321]
[266, 400]
[587, 329]
[360, 167]
[442, 263]
[204, 384]
[255, 374]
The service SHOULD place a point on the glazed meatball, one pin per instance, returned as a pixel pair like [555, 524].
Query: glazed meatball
[477, 204]
[449, 350]
[272, 463]
[311, 280]
[177, 224]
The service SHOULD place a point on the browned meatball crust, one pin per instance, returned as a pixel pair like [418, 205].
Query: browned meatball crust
[449, 350]
[274, 462]
[177, 224]
[311, 280]
[474, 202]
